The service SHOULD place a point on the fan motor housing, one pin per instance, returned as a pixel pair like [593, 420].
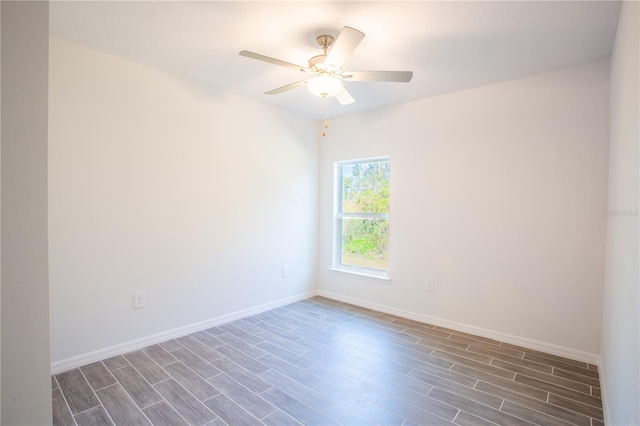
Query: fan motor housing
[317, 63]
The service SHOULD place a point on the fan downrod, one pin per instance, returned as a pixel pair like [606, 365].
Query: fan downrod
[316, 64]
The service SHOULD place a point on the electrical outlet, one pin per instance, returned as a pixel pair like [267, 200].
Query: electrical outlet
[431, 284]
[139, 299]
[285, 271]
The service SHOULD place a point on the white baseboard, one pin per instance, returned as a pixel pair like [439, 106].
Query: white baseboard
[84, 359]
[603, 394]
[478, 331]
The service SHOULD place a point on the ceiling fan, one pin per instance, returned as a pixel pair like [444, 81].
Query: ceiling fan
[325, 71]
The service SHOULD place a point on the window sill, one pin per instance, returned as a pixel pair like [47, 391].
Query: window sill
[361, 275]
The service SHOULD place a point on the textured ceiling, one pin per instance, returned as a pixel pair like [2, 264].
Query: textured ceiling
[450, 46]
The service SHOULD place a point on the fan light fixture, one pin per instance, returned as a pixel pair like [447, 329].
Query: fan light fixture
[324, 85]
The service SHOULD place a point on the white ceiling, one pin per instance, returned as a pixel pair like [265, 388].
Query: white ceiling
[449, 46]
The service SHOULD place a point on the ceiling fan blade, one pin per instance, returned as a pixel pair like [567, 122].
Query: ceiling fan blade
[344, 97]
[287, 87]
[391, 76]
[345, 44]
[271, 60]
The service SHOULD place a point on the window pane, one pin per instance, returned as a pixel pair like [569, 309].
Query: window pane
[365, 187]
[365, 243]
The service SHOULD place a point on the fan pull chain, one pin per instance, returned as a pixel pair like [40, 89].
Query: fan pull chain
[326, 123]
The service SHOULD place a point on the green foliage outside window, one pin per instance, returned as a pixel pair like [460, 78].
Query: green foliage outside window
[365, 192]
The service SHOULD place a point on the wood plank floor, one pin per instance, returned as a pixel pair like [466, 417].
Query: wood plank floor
[322, 362]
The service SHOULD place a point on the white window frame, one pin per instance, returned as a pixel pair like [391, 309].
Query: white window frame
[337, 267]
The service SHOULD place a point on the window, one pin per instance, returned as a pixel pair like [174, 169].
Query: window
[362, 217]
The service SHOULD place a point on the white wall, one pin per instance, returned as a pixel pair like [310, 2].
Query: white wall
[26, 382]
[0, 213]
[621, 302]
[159, 185]
[498, 193]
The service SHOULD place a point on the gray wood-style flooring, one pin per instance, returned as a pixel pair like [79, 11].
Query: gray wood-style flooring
[322, 362]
